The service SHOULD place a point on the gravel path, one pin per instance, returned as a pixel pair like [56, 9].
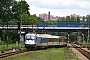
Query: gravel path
[79, 55]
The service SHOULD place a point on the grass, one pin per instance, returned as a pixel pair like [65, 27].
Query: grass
[49, 54]
[10, 46]
[70, 55]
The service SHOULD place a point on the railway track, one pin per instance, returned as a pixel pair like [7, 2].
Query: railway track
[84, 52]
[4, 55]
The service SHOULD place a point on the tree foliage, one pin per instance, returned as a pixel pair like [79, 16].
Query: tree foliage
[5, 10]
[10, 13]
[25, 18]
[29, 19]
[51, 22]
[12, 9]
[33, 19]
[19, 8]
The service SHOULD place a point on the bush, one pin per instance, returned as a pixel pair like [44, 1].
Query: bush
[0, 42]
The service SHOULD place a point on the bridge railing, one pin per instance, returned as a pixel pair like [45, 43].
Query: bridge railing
[46, 25]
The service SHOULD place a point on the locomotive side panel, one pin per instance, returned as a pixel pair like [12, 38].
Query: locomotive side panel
[38, 41]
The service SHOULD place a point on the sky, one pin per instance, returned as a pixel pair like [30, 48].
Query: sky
[59, 7]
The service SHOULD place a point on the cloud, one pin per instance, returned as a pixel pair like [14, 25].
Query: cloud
[57, 12]
[84, 5]
[60, 4]
[59, 7]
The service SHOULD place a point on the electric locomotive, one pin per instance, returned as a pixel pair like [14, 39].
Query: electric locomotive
[30, 41]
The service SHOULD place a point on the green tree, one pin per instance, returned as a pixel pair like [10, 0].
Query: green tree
[51, 22]
[78, 19]
[40, 21]
[25, 18]
[10, 13]
[33, 19]
[11, 9]
[0, 21]
[73, 19]
[0, 41]
[5, 10]
[62, 20]
[68, 19]
[13, 21]
[88, 18]
[29, 19]
[83, 19]
[12, 36]
[18, 8]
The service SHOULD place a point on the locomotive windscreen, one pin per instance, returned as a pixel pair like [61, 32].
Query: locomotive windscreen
[29, 37]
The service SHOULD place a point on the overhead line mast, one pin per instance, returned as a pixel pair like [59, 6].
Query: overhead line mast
[21, 21]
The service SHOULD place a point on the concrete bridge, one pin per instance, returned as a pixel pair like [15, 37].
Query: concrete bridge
[12, 27]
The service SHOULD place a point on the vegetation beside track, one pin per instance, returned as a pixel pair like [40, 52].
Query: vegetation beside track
[84, 44]
[69, 54]
[10, 46]
[48, 54]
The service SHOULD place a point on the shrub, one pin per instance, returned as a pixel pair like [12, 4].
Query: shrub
[0, 42]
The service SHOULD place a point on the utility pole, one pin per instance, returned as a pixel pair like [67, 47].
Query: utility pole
[82, 25]
[88, 35]
[88, 31]
[21, 21]
[68, 38]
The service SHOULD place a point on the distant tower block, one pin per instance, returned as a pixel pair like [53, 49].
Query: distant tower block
[49, 15]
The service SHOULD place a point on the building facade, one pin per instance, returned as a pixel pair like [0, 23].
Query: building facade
[47, 17]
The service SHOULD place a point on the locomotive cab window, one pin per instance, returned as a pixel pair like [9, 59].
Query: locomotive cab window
[30, 37]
